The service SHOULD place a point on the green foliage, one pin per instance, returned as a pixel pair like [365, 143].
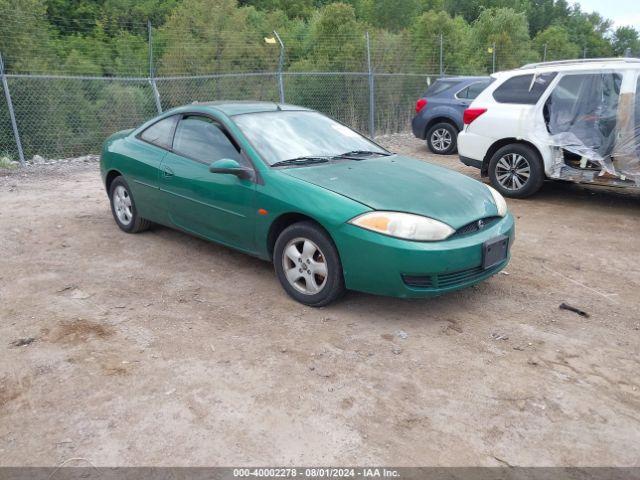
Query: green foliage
[109, 38]
[25, 36]
[7, 162]
[386, 14]
[291, 8]
[508, 31]
[588, 31]
[555, 39]
[626, 38]
[457, 38]
[200, 37]
[335, 41]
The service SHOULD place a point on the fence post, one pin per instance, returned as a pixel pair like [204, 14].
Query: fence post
[493, 58]
[441, 55]
[12, 114]
[372, 94]
[280, 67]
[584, 52]
[152, 76]
[544, 55]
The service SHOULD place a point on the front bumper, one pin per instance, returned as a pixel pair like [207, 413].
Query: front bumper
[383, 265]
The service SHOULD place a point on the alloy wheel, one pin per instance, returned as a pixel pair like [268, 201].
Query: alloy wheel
[304, 266]
[441, 139]
[122, 205]
[513, 171]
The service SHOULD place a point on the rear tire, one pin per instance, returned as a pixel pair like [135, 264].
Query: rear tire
[308, 265]
[123, 207]
[442, 139]
[516, 171]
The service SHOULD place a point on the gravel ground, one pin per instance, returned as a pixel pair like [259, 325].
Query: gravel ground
[163, 349]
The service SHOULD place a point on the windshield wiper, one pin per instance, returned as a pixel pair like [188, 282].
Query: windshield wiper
[358, 154]
[300, 161]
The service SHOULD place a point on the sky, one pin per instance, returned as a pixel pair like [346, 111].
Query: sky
[622, 12]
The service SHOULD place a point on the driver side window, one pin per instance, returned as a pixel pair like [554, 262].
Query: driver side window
[204, 140]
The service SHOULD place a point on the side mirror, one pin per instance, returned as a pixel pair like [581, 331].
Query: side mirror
[230, 167]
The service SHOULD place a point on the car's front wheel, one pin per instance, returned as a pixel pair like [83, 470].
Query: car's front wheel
[124, 209]
[516, 171]
[442, 138]
[308, 265]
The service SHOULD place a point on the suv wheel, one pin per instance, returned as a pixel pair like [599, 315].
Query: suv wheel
[307, 264]
[442, 138]
[516, 171]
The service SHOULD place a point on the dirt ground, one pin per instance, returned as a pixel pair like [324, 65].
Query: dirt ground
[162, 349]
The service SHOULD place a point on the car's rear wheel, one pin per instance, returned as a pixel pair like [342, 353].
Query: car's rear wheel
[307, 264]
[124, 209]
[442, 138]
[516, 171]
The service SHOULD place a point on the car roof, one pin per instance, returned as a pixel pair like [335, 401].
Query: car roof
[463, 79]
[575, 65]
[239, 107]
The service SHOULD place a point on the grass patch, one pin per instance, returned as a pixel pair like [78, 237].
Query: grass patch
[7, 162]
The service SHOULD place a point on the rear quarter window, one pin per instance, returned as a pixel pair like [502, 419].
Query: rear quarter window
[473, 90]
[439, 86]
[160, 133]
[523, 89]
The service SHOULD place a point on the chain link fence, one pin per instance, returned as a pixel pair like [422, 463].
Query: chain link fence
[368, 82]
[61, 117]
[68, 116]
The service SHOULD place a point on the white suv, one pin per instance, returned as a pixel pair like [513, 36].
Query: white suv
[573, 120]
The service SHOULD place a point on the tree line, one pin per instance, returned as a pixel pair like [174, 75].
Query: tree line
[410, 42]
[109, 37]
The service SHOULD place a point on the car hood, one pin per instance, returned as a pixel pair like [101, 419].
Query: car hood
[404, 184]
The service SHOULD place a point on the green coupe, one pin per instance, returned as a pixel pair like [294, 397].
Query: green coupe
[330, 208]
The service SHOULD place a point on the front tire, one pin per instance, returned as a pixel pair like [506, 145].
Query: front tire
[516, 171]
[123, 207]
[442, 139]
[308, 265]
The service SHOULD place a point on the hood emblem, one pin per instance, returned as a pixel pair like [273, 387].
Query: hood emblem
[481, 224]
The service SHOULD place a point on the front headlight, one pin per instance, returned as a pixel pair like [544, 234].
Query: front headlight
[404, 225]
[499, 200]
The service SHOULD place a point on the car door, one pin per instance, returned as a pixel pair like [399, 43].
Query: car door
[143, 171]
[217, 206]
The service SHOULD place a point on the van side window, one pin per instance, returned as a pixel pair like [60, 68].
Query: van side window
[523, 89]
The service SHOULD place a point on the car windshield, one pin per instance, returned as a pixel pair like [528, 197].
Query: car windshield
[286, 135]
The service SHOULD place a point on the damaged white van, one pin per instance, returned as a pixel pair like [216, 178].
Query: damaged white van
[576, 120]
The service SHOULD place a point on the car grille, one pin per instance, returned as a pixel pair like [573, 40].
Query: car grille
[475, 225]
[447, 280]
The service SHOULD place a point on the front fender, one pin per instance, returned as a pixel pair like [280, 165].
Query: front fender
[282, 194]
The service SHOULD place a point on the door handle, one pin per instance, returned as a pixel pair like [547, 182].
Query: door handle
[167, 172]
